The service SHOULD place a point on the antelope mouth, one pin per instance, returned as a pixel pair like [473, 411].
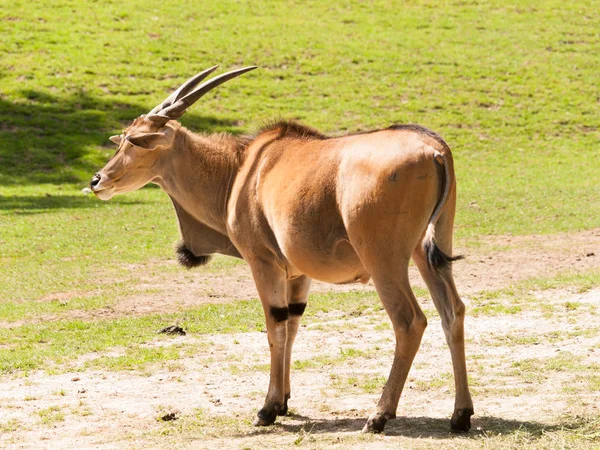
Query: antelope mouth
[103, 193]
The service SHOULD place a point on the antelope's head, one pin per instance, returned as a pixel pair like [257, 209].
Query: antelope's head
[151, 136]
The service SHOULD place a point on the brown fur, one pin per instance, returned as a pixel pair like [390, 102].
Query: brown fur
[295, 205]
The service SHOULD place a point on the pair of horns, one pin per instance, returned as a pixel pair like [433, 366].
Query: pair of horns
[175, 104]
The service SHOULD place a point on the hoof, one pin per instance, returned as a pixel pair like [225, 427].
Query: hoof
[283, 411]
[376, 423]
[461, 420]
[266, 417]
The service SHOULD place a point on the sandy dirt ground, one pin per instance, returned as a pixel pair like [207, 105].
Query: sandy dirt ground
[214, 394]
[493, 263]
[496, 263]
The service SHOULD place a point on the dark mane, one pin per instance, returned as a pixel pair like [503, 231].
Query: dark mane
[421, 130]
[288, 128]
[292, 129]
[408, 127]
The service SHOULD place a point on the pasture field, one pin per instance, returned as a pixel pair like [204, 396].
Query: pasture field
[85, 285]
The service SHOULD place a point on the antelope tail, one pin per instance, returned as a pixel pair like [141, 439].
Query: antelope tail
[436, 258]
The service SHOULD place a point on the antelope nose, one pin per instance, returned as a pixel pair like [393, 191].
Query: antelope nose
[95, 181]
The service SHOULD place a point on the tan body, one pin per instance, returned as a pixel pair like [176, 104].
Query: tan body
[296, 206]
[303, 199]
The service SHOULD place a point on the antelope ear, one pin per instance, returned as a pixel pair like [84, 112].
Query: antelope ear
[148, 141]
[116, 139]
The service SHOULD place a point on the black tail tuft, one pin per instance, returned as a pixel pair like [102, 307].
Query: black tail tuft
[187, 259]
[437, 259]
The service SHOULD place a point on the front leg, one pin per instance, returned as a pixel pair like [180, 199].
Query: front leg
[297, 295]
[271, 284]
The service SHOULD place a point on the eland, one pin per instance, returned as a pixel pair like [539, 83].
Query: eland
[298, 205]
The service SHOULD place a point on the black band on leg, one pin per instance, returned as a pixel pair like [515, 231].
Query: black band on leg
[297, 309]
[279, 314]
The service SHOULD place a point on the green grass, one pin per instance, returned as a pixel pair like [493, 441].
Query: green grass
[51, 415]
[135, 358]
[518, 297]
[512, 86]
[10, 425]
[513, 98]
[50, 344]
[318, 362]
[562, 362]
[202, 420]
[443, 380]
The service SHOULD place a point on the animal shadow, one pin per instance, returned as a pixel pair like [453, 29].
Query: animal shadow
[417, 427]
[47, 138]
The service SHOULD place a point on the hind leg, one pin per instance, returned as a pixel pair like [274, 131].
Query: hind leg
[409, 324]
[384, 220]
[390, 276]
[452, 312]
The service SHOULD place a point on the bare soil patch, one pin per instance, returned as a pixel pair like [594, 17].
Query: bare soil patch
[213, 395]
[493, 263]
[503, 260]
[534, 373]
